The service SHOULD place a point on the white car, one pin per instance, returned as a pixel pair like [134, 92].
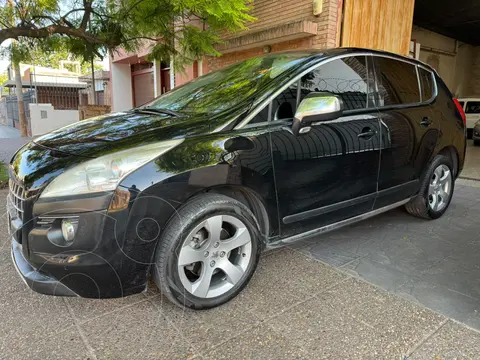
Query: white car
[471, 106]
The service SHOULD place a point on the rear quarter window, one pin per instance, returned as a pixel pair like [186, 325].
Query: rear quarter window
[426, 82]
[397, 82]
[473, 107]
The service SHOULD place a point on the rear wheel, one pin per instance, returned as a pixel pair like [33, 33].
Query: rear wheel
[476, 142]
[208, 252]
[436, 190]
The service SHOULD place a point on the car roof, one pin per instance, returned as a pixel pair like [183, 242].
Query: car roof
[354, 50]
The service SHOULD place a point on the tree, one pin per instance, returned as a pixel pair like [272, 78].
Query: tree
[52, 56]
[183, 30]
[179, 30]
[3, 78]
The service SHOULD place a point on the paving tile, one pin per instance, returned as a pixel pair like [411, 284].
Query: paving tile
[324, 332]
[443, 300]
[27, 317]
[267, 294]
[385, 276]
[85, 309]
[306, 275]
[383, 310]
[137, 332]
[65, 345]
[269, 290]
[355, 320]
[452, 341]
[332, 255]
[205, 328]
[11, 281]
[259, 343]
[413, 252]
[459, 272]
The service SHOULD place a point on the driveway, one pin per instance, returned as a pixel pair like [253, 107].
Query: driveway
[391, 287]
[316, 301]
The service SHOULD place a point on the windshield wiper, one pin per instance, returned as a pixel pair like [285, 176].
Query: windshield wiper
[153, 110]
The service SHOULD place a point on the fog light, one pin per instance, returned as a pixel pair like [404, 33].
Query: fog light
[68, 229]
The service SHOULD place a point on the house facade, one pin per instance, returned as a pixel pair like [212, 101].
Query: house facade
[284, 25]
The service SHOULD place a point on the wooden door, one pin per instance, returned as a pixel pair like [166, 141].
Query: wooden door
[378, 24]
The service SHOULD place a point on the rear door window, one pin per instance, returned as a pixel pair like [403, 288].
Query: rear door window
[426, 82]
[473, 107]
[397, 82]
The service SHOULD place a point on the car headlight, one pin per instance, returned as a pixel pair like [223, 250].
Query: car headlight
[106, 172]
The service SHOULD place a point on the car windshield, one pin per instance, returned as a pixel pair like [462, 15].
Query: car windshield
[225, 88]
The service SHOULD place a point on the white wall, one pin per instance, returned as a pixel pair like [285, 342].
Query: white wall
[451, 58]
[44, 118]
[121, 87]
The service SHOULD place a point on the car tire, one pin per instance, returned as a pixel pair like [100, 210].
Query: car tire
[476, 142]
[469, 133]
[184, 284]
[436, 190]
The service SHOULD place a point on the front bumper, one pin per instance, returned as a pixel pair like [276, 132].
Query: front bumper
[37, 281]
[476, 133]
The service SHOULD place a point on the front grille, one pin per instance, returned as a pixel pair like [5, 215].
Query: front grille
[17, 199]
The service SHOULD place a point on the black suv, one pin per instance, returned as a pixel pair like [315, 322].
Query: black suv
[190, 188]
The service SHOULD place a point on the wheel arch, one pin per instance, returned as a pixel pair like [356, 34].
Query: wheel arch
[452, 153]
[251, 199]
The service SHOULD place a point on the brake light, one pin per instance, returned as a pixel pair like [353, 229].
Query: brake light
[460, 110]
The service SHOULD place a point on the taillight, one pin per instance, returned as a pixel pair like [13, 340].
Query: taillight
[460, 110]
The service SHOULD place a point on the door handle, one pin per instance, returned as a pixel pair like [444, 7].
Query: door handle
[366, 133]
[425, 122]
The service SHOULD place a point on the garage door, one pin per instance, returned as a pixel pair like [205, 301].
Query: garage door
[143, 88]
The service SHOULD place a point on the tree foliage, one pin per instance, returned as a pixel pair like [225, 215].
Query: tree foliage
[182, 29]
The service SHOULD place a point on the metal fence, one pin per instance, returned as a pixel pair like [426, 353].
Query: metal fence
[63, 92]
[9, 107]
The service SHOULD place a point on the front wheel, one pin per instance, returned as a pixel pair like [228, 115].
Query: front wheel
[208, 252]
[436, 190]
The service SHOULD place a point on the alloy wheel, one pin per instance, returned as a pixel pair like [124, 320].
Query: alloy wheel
[214, 256]
[440, 188]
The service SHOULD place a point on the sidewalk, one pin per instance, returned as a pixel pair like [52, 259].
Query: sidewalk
[10, 141]
[294, 308]
[8, 132]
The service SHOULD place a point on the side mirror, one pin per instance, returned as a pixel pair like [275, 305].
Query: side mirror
[316, 107]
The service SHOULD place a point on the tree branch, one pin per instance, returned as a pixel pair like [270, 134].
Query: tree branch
[86, 15]
[71, 12]
[140, 38]
[15, 33]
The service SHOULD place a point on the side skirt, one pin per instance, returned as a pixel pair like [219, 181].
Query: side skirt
[292, 239]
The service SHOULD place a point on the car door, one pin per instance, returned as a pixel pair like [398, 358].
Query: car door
[409, 128]
[329, 173]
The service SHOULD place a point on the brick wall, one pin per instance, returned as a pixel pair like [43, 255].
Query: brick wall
[271, 13]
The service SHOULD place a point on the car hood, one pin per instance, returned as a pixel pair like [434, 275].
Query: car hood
[119, 131]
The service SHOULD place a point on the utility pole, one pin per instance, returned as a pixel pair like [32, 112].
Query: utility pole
[18, 85]
[93, 82]
[94, 98]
